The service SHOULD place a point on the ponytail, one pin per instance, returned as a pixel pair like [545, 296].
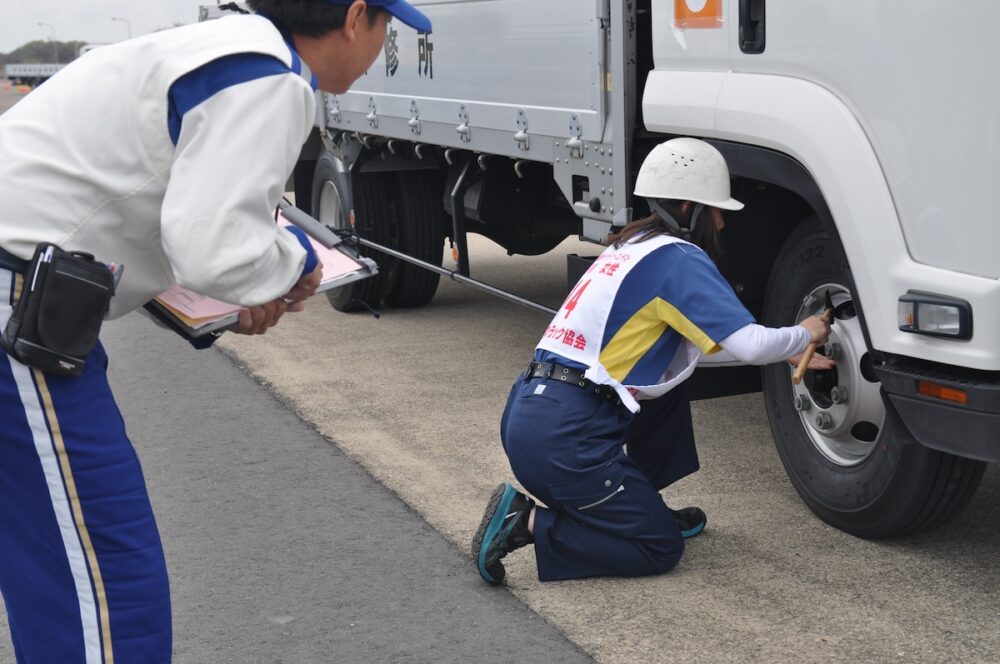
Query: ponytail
[704, 234]
[648, 227]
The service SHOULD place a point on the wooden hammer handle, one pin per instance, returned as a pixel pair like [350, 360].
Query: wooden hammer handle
[803, 363]
[807, 356]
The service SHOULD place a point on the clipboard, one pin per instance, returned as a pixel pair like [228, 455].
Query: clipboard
[195, 316]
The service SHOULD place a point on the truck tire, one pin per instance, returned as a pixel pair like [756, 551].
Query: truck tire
[419, 233]
[331, 204]
[846, 451]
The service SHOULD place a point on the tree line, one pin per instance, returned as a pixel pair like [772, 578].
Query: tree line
[42, 51]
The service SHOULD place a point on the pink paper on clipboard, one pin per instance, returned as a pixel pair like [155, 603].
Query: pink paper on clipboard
[194, 308]
[198, 310]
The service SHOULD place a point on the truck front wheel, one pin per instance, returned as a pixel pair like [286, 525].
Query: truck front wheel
[849, 456]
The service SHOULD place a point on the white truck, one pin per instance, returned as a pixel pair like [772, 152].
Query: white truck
[31, 74]
[863, 136]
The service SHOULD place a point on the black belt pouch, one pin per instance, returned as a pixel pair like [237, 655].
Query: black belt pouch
[57, 319]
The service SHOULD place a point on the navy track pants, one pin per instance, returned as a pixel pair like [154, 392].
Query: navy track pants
[82, 571]
[604, 516]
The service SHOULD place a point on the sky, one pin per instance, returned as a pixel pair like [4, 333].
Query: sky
[89, 20]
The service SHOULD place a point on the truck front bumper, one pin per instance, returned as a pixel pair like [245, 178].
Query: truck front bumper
[970, 429]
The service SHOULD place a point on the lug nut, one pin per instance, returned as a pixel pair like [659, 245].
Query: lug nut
[839, 394]
[824, 421]
[802, 403]
[832, 351]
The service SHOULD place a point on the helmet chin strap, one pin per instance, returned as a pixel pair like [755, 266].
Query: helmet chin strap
[672, 222]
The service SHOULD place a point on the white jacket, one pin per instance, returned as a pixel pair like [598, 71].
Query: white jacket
[87, 162]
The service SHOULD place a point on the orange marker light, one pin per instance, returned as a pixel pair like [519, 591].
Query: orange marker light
[935, 391]
[454, 253]
[697, 14]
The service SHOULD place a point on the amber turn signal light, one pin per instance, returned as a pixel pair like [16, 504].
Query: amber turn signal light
[935, 391]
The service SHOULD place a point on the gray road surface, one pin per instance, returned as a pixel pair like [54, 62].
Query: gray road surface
[9, 95]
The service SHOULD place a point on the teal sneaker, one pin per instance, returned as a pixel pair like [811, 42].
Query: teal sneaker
[503, 529]
[691, 520]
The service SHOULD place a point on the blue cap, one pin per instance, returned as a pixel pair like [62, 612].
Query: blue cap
[400, 9]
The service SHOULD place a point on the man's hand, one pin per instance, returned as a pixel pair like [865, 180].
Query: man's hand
[258, 320]
[306, 287]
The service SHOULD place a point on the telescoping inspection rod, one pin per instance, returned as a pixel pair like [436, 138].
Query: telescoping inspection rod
[317, 230]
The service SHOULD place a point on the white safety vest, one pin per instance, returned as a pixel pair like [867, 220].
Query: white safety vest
[578, 328]
[87, 163]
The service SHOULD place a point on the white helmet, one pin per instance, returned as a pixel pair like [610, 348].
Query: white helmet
[686, 169]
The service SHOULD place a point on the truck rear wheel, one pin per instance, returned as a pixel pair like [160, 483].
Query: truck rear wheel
[332, 203]
[418, 233]
[849, 456]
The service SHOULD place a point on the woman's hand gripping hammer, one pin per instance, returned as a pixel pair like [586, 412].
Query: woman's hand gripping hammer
[800, 370]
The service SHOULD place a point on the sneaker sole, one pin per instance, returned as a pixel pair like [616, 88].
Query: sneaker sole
[691, 532]
[499, 503]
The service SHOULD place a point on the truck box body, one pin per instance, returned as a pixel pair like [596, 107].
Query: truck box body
[516, 78]
[544, 58]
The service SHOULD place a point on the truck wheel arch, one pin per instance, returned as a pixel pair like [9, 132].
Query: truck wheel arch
[800, 136]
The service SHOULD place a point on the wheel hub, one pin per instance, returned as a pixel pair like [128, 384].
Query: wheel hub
[841, 409]
[331, 210]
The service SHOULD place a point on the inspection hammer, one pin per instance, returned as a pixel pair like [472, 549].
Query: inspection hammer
[811, 348]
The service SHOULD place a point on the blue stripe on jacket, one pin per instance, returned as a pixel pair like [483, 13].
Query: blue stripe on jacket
[312, 260]
[199, 85]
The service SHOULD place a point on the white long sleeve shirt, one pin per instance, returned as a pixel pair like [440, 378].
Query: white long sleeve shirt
[88, 162]
[756, 344]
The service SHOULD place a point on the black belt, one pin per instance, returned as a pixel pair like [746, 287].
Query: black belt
[574, 377]
[11, 262]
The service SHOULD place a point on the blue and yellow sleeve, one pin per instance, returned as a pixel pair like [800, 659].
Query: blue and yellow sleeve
[697, 301]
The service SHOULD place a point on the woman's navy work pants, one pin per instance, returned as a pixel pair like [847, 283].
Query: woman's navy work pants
[82, 571]
[605, 515]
